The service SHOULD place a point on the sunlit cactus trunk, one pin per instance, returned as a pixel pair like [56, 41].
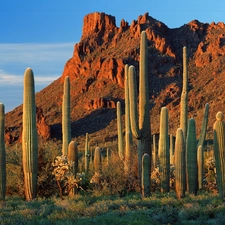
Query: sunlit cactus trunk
[164, 151]
[87, 154]
[179, 158]
[66, 123]
[119, 130]
[219, 152]
[200, 159]
[73, 159]
[2, 153]
[128, 133]
[29, 137]
[145, 182]
[171, 150]
[140, 126]
[184, 96]
[191, 158]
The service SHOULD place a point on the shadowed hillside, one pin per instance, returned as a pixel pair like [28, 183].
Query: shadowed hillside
[96, 72]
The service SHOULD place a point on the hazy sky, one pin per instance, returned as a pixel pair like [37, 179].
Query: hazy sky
[41, 34]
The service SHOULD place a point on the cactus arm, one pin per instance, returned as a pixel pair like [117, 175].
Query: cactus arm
[2, 153]
[119, 130]
[133, 103]
[204, 126]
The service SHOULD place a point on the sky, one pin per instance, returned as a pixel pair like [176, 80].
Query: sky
[41, 33]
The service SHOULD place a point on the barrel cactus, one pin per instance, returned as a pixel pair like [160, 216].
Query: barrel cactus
[2, 153]
[29, 137]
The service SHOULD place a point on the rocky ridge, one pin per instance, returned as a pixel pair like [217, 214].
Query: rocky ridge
[96, 72]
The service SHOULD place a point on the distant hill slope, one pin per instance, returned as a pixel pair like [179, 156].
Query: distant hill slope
[96, 72]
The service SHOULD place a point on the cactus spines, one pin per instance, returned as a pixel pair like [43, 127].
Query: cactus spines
[2, 153]
[87, 154]
[179, 156]
[164, 151]
[66, 123]
[119, 130]
[29, 137]
[200, 159]
[191, 158]
[219, 152]
[145, 178]
[184, 96]
[140, 127]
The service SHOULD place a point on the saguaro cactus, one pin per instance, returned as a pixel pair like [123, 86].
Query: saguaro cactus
[179, 155]
[2, 153]
[164, 151]
[97, 160]
[191, 158]
[128, 133]
[87, 154]
[73, 156]
[219, 152]
[200, 159]
[140, 127]
[29, 137]
[171, 150]
[66, 123]
[119, 130]
[184, 96]
[145, 182]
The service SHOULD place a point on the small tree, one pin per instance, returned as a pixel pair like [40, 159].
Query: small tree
[65, 179]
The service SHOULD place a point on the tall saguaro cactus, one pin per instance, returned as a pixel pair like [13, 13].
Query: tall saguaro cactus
[219, 152]
[191, 158]
[179, 156]
[87, 154]
[29, 137]
[119, 130]
[2, 153]
[66, 123]
[140, 126]
[128, 133]
[164, 151]
[184, 96]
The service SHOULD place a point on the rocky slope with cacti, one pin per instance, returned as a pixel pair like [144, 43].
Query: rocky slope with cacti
[96, 72]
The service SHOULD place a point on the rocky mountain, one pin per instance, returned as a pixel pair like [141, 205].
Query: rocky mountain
[96, 72]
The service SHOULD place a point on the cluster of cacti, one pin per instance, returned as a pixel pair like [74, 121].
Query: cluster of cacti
[66, 123]
[29, 137]
[219, 152]
[2, 153]
[140, 126]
